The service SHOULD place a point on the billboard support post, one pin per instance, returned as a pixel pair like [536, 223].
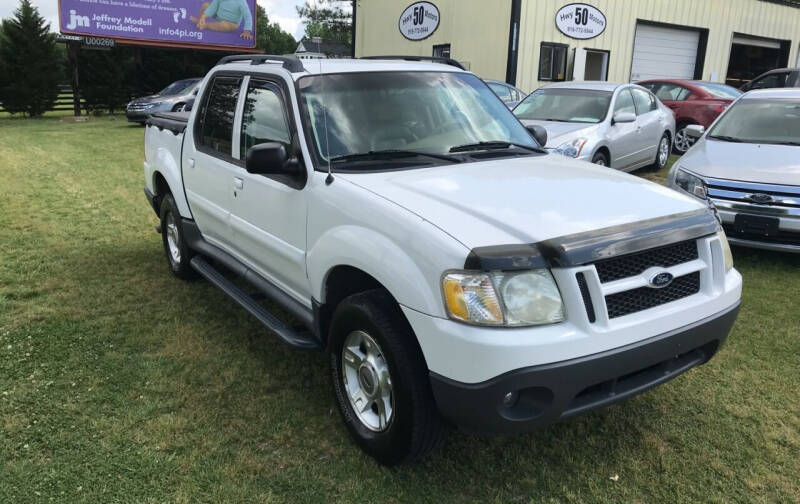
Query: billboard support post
[73, 50]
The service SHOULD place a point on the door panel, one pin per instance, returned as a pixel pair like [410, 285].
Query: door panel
[207, 162]
[623, 136]
[268, 218]
[647, 124]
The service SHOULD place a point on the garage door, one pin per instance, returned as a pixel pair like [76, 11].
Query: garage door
[664, 53]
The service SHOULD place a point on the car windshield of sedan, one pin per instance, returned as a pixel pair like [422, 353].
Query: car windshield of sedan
[760, 121]
[565, 105]
[719, 90]
[178, 87]
[408, 117]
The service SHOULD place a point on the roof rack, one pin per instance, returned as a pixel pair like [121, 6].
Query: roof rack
[434, 59]
[291, 63]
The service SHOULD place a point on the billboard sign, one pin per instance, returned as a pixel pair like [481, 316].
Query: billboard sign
[223, 24]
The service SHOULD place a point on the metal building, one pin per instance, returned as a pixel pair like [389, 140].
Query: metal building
[532, 42]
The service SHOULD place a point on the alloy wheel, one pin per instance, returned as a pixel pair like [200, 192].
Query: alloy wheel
[367, 382]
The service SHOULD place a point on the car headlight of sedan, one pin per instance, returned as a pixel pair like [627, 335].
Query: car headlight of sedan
[524, 298]
[572, 148]
[153, 104]
[691, 183]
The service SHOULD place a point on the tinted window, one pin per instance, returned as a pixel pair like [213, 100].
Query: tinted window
[263, 117]
[645, 102]
[502, 91]
[565, 105]
[552, 62]
[672, 92]
[776, 80]
[624, 103]
[216, 127]
[719, 90]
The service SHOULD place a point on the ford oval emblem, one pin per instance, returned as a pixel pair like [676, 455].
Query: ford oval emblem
[661, 280]
[759, 198]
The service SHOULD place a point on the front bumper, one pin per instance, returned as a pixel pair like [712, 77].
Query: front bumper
[551, 392]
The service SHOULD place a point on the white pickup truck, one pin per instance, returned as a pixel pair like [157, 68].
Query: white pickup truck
[416, 231]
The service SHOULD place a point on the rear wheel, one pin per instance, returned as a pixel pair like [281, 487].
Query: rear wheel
[600, 158]
[380, 380]
[682, 140]
[175, 247]
[662, 154]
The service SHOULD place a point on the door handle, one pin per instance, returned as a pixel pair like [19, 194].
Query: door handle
[238, 183]
[190, 162]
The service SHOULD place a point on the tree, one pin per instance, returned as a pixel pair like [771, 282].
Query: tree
[30, 64]
[270, 37]
[327, 19]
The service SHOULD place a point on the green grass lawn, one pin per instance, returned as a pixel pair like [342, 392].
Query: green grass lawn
[119, 383]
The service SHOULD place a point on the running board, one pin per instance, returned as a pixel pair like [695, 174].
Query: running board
[303, 341]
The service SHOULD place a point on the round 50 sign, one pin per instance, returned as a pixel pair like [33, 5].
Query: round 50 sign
[419, 21]
[580, 21]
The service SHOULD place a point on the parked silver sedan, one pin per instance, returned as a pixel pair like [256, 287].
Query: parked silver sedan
[748, 167]
[623, 126]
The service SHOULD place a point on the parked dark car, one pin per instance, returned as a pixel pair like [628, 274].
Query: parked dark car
[510, 95]
[780, 78]
[692, 102]
[177, 97]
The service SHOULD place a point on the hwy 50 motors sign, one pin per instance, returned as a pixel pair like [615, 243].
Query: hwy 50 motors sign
[580, 21]
[419, 21]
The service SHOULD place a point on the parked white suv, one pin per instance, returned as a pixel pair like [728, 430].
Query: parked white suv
[451, 267]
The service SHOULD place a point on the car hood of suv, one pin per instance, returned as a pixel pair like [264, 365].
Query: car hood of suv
[560, 132]
[763, 163]
[523, 200]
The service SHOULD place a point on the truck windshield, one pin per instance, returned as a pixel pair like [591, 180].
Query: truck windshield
[760, 121]
[419, 112]
[565, 105]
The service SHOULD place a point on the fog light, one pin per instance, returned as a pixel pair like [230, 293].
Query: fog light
[510, 399]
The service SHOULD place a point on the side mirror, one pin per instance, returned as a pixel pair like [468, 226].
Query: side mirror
[624, 117]
[195, 91]
[269, 158]
[746, 87]
[538, 133]
[695, 130]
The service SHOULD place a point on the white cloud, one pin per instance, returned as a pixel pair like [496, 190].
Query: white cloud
[48, 9]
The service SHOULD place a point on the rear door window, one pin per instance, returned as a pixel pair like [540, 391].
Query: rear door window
[216, 124]
[672, 92]
[775, 80]
[502, 91]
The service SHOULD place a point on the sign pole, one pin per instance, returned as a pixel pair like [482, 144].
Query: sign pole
[73, 49]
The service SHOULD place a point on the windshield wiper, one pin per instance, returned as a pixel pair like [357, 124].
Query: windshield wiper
[491, 145]
[726, 138]
[391, 153]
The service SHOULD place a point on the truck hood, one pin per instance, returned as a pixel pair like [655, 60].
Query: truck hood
[560, 132]
[763, 163]
[523, 200]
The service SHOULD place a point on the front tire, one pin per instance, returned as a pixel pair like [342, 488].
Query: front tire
[600, 158]
[175, 247]
[380, 380]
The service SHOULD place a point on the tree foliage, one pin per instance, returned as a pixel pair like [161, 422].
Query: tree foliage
[270, 37]
[30, 63]
[327, 19]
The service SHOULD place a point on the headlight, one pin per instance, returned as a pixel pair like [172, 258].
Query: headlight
[511, 299]
[691, 184]
[726, 251]
[571, 149]
[153, 104]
